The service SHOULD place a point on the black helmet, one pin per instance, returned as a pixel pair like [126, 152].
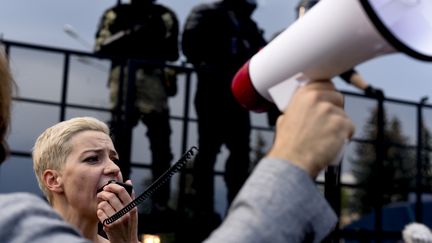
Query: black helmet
[142, 2]
[243, 6]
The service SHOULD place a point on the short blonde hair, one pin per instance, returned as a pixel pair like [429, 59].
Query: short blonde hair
[53, 146]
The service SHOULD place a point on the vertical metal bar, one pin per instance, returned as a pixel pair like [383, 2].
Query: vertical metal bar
[121, 132]
[333, 196]
[185, 129]
[419, 162]
[64, 88]
[187, 97]
[119, 108]
[127, 126]
[380, 157]
[7, 49]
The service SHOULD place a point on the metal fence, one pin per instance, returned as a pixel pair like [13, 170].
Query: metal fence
[57, 84]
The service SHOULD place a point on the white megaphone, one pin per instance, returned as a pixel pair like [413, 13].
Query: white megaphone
[334, 36]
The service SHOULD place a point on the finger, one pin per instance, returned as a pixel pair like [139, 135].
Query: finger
[106, 207]
[345, 123]
[120, 192]
[133, 191]
[134, 220]
[320, 84]
[101, 215]
[332, 96]
[111, 198]
[351, 128]
[328, 91]
[323, 85]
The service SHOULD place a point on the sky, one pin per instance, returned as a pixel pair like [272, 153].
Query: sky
[42, 22]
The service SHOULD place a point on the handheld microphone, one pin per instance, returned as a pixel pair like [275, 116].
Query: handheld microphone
[126, 186]
[187, 157]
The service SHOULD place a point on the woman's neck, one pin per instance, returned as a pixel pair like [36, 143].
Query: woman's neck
[88, 226]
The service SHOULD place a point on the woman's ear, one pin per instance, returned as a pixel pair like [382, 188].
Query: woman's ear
[53, 180]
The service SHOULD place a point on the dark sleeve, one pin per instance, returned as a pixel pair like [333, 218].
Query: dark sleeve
[172, 33]
[207, 36]
[102, 32]
[107, 40]
[346, 76]
[193, 35]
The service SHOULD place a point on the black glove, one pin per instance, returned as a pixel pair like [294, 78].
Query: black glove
[374, 92]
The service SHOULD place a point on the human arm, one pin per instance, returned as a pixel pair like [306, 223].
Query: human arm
[207, 38]
[353, 77]
[304, 6]
[193, 35]
[113, 33]
[280, 202]
[104, 31]
[27, 218]
[171, 47]
[113, 198]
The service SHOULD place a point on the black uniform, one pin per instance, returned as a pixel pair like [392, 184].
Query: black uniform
[218, 39]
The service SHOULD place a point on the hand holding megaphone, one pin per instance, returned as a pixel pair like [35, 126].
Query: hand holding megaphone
[313, 127]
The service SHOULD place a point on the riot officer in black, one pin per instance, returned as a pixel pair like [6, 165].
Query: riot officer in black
[218, 39]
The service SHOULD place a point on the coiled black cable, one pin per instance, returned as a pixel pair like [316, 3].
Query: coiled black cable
[187, 157]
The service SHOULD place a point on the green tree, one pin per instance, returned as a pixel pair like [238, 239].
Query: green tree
[387, 181]
[425, 166]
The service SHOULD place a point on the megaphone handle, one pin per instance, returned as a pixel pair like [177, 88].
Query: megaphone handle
[282, 94]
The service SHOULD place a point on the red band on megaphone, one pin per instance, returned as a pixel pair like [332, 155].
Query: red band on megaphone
[246, 94]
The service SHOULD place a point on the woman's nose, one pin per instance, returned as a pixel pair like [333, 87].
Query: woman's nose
[112, 168]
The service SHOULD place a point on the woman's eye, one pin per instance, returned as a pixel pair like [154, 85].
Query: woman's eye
[91, 159]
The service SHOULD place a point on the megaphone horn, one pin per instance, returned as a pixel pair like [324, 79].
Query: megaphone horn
[334, 36]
